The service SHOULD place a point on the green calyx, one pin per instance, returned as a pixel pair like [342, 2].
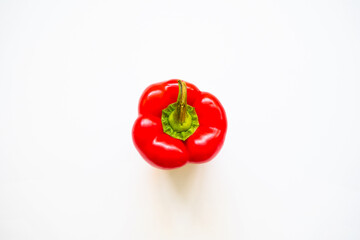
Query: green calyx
[176, 129]
[180, 120]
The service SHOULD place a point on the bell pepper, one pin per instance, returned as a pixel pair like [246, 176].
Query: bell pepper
[178, 124]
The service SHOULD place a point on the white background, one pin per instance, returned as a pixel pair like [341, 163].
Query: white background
[287, 73]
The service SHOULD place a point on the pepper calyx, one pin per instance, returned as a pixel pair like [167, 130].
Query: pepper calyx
[176, 129]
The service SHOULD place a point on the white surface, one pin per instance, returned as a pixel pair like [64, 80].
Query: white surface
[287, 73]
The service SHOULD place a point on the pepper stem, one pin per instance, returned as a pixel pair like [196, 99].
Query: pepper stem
[180, 120]
[180, 112]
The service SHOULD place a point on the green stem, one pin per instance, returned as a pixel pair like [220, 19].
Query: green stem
[180, 120]
[180, 112]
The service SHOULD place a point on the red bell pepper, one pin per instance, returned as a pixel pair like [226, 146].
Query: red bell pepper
[169, 134]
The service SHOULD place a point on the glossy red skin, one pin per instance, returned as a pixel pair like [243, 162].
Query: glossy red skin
[166, 152]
